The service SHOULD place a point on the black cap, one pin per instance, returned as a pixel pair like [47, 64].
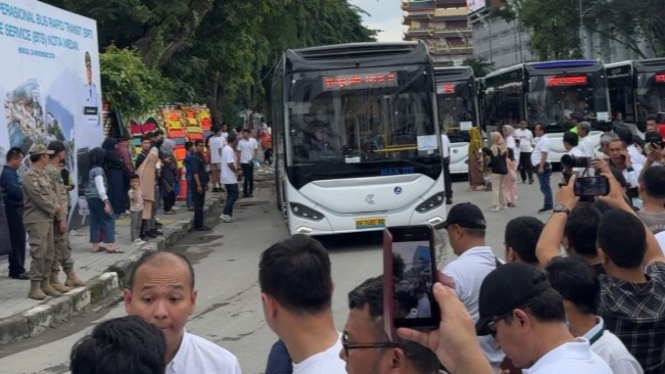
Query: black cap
[508, 287]
[56, 146]
[653, 137]
[466, 215]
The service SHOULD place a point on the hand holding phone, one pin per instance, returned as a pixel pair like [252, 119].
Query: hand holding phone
[591, 186]
[409, 274]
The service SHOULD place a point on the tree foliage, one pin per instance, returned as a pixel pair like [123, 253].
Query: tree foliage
[131, 86]
[555, 24]
[219, 52]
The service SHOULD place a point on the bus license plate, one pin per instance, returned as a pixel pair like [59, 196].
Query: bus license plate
[370, 223]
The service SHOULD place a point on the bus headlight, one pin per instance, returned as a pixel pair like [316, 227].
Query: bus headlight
[304, 212]
[431, 203]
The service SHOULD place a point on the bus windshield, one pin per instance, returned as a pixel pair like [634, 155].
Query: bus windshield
[360, 115]
[553, 99]
[650, 94]
[457, 110]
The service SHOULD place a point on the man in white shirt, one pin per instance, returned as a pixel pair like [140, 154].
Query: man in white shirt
[296, 292]
[230, 173]
[524, 138]
[247, 147]
[445, 153]
[585, 144]
[572, 146]
[578, 284]
[621, 160]
[161, 291]
[366, 346]
[215, 146]
[543, 168]
[518, 306]
[466, 227]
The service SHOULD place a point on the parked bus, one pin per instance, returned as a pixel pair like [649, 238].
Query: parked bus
[549, 93]
[457, 104]
[356, 141]
[637, 91]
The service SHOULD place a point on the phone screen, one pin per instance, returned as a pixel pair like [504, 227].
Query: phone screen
[591, 186]
[413, 275]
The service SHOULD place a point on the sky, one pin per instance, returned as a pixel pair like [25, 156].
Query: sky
[384, 15]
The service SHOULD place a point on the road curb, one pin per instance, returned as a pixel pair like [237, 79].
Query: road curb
[41, 318]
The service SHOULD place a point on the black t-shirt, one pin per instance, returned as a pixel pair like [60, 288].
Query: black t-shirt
[199, 167]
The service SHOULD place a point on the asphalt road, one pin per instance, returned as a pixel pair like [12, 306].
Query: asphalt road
[226, 264]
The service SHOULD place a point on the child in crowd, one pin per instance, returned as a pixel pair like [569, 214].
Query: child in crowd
[136, 209]
[510, 190]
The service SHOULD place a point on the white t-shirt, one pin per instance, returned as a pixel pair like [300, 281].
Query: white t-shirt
[216, 144]
[526, 139]
[577, 152]
[542, 146]
[661, 240]
[445, 146]
[247, 149]
[468, 271]
[197, 355]
[612, 350]
[569, 358]
[636, 158]
[326, 362]
[228, 157]
[586, 147]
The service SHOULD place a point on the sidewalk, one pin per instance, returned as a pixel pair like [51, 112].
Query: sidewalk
[21, 317]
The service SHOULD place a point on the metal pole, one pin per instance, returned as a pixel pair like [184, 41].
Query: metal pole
[582, 41]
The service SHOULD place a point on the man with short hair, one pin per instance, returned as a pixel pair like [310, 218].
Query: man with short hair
[247, 152]
[652, 123]
[605, 141]
[526, 317]
[585, 144]
[543, 168]
[622, 161]
[126, 345]
[579, 286]
[633, 289]
[296, 292]
[521, 237]
[571, 143]
[41, 207]
[161, 291]
[466, 227]
[199, 185]
[215, 146]
[365, 328]
[63, 249]
[524, 138]
[652, 192]
[12, 196]
[230, 173]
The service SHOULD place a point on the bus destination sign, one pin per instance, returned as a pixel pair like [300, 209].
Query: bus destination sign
[570, 80]
[360, 81]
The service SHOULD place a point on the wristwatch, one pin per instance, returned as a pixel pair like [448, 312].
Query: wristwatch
[560, 208]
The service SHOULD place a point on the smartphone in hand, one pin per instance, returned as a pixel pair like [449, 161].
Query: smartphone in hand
[409, 273]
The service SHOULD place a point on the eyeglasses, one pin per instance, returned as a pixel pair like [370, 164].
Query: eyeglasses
[347, 347]
[491, 326]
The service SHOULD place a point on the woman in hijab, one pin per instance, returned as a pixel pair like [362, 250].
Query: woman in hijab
[170, 176]
[499, 167]
[115, 174]
[101, 212]
[475, 159]
[147, 173]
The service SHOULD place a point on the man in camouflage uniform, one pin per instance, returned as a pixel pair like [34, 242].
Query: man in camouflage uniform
[41, 205]
[63, 249]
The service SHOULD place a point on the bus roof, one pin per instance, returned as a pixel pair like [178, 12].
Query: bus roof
[356, 55]
[453, 72]
[650, 65]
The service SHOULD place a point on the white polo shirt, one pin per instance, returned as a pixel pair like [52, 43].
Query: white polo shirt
[197, 355]
[445, 146]
[326, 362]
[468, 271]
[568, 358]
[542, 146]
[228, 157]
[611, 349]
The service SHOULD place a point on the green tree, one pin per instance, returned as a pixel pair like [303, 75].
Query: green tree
[129, 85]
[481, 67]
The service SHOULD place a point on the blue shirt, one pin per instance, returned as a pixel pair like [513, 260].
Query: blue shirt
[10, 186]
[188, 165]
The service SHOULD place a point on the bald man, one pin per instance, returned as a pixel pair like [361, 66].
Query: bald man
[161, 291]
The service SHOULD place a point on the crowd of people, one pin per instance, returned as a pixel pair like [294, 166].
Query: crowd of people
[37, 203]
